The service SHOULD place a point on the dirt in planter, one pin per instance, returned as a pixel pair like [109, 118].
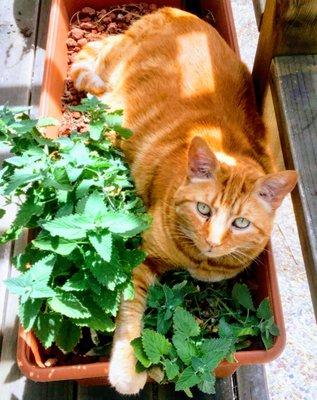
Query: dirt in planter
[88, 25]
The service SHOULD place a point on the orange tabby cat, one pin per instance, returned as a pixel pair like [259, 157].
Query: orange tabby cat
[199, 156]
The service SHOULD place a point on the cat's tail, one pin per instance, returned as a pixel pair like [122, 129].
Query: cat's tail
[83, 71]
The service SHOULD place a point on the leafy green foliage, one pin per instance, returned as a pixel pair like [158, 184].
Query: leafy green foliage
[77, 194]
[155, 345]
[191, 326]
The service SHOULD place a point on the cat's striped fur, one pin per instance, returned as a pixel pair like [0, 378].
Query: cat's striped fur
[197, 138]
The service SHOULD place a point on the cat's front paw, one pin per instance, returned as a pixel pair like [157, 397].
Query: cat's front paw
[122, 374]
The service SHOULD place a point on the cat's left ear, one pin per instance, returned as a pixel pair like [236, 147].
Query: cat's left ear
[272, 188]
[202, 163]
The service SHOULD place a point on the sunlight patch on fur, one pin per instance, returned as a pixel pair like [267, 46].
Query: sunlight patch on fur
[226, 159]
[196, 65]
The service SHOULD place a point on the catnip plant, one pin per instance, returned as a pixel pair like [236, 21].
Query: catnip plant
[77, 196]
[191, 326]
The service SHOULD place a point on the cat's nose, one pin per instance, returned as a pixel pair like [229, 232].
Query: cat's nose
[213, 244]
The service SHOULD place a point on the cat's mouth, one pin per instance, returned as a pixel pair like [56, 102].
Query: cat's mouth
[215, 253]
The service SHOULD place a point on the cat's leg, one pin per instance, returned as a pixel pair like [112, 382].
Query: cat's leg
[94, 65]
[122, 374]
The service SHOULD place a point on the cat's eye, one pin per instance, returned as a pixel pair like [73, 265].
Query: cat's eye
[204, 209]
[241, 223]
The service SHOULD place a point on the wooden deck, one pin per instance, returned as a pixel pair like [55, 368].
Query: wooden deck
[23, 27]
[287, 59]
[294, 86]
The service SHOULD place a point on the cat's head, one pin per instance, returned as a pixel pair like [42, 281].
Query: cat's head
[227, 208]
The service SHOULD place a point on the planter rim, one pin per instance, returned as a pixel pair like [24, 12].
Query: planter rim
[27, 340]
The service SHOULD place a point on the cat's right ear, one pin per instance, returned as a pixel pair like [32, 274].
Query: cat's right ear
[202, 162]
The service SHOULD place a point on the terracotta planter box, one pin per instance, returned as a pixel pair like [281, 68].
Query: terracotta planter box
[29, 352]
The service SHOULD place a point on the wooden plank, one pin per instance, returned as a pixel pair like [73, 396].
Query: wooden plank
[251, 383]
[17, 34]
[11, 381]
[5, 250]
[258, 6]
[41, 391]
[39, 58]
[106, 392]
[297, 29]
[294, 87]
[225, 389]
[264, 51]
[287, 27]
[153, 391]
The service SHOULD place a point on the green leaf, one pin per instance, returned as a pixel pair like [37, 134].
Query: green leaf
[102, 243]
[27, 210]
[132, 258]
[267, 340]
[164, 321]
[68, 335]
[95, 205]
[128, 292]
[73, 173]
[12, 233]
[264, 310]
[24, 126]
[187, 379]
[185, 323]
[33, 283]
[155, 345]
[47, 327]
[73, 226]
[127, 224]
[69, 305]
[108, 274]
[58, 180]
[47, 121]
[28, 312]
[45, 241]
[84, 186]
[27, 158]
[185, 348]
[123, 132]
[96, 128]
[188, 393]
[140, 353]
[19, 285]
[41, 270]
[42, 292]
[98, 320]
[79, 155]
[214, 351]
[274, 330]
[241, 294]
[225, 329]
[2, 212]
[76, 283]
[208, 384]
[90, 103]
[155, 295]
[171, 369]
[114, 121]
[21, 177]
[108, 300]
